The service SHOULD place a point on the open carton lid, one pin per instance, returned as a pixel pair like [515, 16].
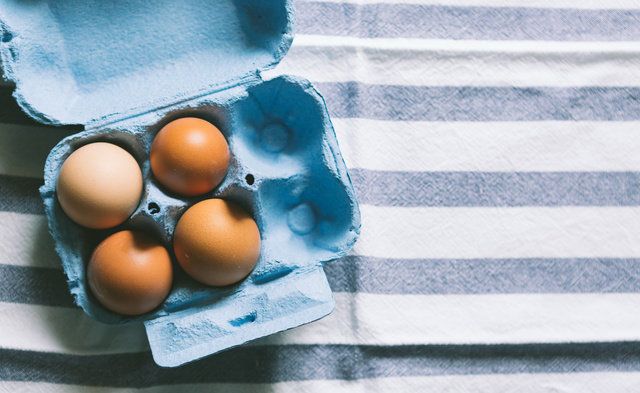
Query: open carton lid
[94, 61]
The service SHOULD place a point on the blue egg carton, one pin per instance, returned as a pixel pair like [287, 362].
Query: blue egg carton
[123, 70]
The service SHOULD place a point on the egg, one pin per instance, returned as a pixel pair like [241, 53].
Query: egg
[189, 156]
[217, 242]
[99, 185]
[130, 273]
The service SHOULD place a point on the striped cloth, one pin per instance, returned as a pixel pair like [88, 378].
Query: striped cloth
[495, 151]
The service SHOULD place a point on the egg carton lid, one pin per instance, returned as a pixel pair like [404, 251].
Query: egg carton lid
[93, 62]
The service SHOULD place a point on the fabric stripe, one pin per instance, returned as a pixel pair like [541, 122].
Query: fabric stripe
[499, 23]
[461, 63]
[436, 233]
[25, 240]
[422, 146]
[348, 100]
[451, 103]
[483, 276]
[435, 189]
[327, 41]
[66, 330]
[489, 146]
[34, 285]
[20, 194]
[367, 319]
[583, 382]
[47, 287]
[452, 189]
[24, 149]
[577, 4]
[276, 364]
[515, 232]
[375, 319]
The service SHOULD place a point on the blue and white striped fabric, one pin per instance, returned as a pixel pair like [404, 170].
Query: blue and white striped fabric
[495, 149]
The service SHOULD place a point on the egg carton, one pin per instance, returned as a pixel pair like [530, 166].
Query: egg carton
[126, 70]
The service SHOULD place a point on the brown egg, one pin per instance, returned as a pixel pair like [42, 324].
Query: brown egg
[130, 273]
[190, 156]
[216, 242]
[99, 185]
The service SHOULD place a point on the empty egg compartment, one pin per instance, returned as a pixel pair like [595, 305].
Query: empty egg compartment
[280, 128]
[312, 214]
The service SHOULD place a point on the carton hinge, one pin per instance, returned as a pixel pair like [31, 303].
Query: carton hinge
[248, 80]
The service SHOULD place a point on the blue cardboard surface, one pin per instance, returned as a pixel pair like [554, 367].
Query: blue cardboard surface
[286, 167]
[101, 60]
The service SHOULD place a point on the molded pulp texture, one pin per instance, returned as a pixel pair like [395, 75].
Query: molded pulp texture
[124, 71]
[103, 59]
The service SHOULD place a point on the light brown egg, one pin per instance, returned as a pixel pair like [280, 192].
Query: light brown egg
[217, 242]
[99, 185]
[190, 156]
[130, 273]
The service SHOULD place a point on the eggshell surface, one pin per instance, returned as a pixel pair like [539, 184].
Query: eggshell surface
[190, 156]
[217, 242]
[130, 273]
[99, 185]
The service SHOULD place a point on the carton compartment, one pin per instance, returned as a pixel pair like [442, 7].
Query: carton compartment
[305, 208]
